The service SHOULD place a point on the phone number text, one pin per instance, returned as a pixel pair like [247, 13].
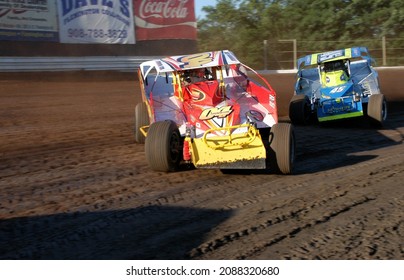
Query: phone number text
[97, 33]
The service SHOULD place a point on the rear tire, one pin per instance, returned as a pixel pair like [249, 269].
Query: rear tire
[141, 119]
[377, 109]
[282, 148]
[163, 146]
[299, 109]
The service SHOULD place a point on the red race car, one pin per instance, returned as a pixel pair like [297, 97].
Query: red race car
[204, 109]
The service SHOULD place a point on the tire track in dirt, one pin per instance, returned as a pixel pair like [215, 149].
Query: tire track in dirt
[73, 185]
[352, 193]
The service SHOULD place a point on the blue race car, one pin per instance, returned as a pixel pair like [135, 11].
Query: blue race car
[337, 85]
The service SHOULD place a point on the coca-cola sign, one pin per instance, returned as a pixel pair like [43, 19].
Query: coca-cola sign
[159, 19]
[163, 9]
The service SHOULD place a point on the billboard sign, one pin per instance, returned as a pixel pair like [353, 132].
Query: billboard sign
[165, 19]
[96, 21]
[28, 20]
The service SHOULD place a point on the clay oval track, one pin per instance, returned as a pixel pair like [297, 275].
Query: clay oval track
[74, 185]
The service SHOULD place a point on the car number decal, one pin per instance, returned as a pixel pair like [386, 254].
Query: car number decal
[210, 113]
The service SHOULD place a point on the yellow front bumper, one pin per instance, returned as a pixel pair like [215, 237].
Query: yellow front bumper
[233, 151]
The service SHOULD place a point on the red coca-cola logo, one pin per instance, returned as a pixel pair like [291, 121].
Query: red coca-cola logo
[164, 9]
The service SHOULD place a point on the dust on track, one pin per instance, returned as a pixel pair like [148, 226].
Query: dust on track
[74, 185]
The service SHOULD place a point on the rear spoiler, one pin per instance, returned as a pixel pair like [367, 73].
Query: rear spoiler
[348, 53]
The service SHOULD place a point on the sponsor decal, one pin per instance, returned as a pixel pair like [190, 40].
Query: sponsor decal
[28, 20]
[96, 21]
[211, 113]
[254, 115]
[339, 109]
[196, 60]
[272, 101]
[163, 9]
[197, 95]
[165, 19]
[330, 55]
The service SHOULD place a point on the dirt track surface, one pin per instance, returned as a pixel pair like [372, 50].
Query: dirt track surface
[74, 185]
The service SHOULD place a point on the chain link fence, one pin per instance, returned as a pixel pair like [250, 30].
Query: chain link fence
[282, 54]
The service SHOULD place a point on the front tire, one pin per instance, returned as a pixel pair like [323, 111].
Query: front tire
[141, 119]
[282, 148]
[163, 146]
[377, 109]
[299, 109]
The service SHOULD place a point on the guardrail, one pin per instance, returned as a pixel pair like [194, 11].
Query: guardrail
[87, 63]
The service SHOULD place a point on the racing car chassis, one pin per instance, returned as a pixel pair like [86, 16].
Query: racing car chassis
[210, 114]
[337, 85]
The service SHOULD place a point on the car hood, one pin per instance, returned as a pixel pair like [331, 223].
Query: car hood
[337, 91]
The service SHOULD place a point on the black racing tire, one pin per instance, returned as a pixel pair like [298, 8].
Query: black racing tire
[377, 109]
[282, 148]
[299, 109]
[163, 146]
[141, 119]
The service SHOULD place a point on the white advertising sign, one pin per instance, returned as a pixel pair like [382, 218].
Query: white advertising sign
[28, 20]
[96, 21]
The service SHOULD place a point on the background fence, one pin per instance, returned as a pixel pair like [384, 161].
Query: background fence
[283, 53]
[277, 55]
